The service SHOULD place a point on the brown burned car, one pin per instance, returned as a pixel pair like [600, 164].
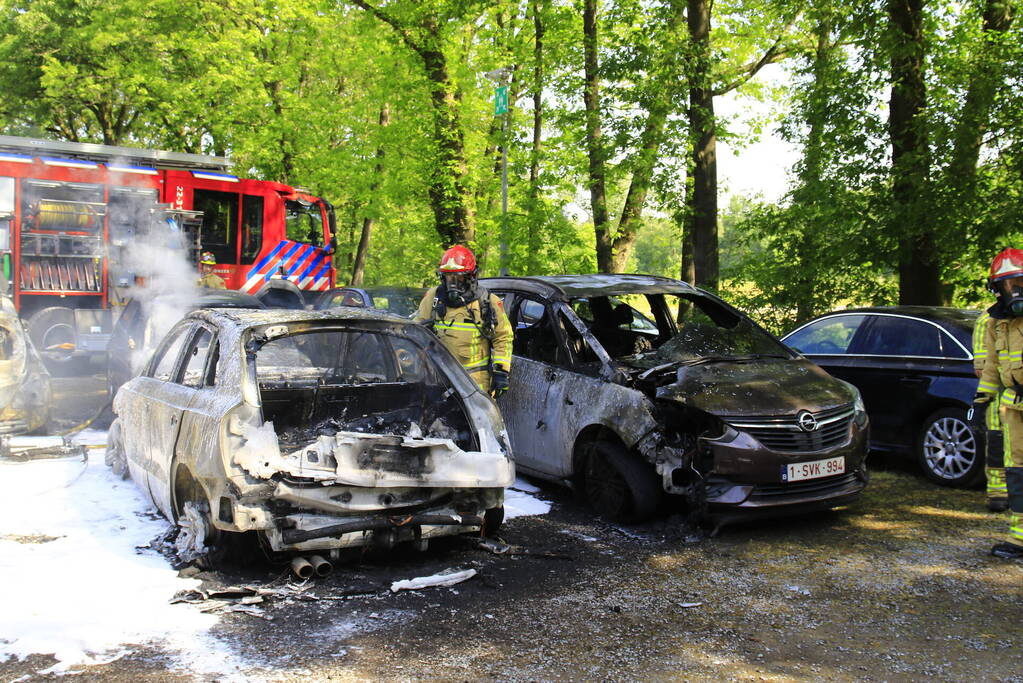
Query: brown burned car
[24, 381]
[613, 396]
[316, 430]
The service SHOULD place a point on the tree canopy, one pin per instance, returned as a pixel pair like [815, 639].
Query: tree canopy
[907, 115]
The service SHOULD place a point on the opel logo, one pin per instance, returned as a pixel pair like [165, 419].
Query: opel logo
[807, 422]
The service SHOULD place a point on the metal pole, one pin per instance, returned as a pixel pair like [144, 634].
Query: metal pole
[504, 196]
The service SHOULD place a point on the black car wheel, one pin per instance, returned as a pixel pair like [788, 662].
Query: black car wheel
[618, 485]
[947, 449]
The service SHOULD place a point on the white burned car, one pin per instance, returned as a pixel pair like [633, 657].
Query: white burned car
[317, 430]
[24, 381]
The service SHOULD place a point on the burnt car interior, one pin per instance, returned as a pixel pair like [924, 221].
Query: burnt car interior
[6, 343]
[324, 381]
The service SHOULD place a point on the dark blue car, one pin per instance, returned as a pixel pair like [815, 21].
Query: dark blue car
[913, 366]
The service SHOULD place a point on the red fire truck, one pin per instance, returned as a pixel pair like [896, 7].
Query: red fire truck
[73, 215]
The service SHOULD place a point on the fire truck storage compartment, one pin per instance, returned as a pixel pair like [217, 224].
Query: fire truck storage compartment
[61, 237]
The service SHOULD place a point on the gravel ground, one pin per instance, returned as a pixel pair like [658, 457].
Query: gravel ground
[897, 587]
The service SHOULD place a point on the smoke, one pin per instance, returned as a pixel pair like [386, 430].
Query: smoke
[150, 261]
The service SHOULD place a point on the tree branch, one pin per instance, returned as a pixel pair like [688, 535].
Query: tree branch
[401, 30]
[775, 53]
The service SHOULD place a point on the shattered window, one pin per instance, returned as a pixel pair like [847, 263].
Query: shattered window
[195, 359]
[343, 357]
[710, 329]
[164, 366]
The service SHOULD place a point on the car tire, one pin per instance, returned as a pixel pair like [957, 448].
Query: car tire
[619, 486]
[116, 457]
[50, 328]
[947, 449]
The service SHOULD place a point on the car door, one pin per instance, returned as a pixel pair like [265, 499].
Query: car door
[524, 405]
[895, 360]
[180, 414]
[145, 411]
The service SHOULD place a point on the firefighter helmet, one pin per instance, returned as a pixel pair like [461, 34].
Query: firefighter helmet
[457, 259]
[208, 259]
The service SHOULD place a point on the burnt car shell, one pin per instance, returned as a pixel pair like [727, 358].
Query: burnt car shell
[24, 381]
[716, 430]
[316, 430]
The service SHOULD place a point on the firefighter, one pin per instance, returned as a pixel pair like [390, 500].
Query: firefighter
[470, 321]
[986, 421]
[1002, 376]
[207, 278]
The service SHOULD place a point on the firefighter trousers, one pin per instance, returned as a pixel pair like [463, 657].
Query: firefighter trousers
[994, 470]
[1012, 429]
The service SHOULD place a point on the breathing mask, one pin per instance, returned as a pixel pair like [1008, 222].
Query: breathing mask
[458, 289]
[1013, 302]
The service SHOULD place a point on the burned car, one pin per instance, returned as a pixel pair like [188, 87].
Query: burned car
[24, 381]
[316, 430]
[614, 396]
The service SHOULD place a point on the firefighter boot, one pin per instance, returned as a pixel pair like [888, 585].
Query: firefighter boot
[1008, 551]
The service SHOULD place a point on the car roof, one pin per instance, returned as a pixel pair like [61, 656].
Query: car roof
[596, 284]
[962, 318]
[244, 317]
[227, 298]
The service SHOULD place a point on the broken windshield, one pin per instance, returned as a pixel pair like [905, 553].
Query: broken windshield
[707, 329]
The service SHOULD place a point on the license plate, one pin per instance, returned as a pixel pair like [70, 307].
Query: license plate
[815, 469]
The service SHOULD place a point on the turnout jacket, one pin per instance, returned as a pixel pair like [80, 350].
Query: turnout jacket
[478, 345]
[1003, 364]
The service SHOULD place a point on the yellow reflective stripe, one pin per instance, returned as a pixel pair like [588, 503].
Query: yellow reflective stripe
[458, 326]
[978, 334]
[1009, 397]
[476, 364]
[987, 387]
[1015, 526]
[980, 354]
[502, 359]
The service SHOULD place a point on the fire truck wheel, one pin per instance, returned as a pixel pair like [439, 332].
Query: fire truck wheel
[53, 332]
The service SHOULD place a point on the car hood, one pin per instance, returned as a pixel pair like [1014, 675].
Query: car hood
[763, 387]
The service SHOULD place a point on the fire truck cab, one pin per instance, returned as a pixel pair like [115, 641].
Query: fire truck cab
[83, 226]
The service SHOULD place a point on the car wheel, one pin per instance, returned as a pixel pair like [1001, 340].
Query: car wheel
[53, 334]
[618, 485]
[116, 458]
[947, 449]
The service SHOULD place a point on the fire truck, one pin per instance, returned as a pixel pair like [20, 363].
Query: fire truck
[83, 225]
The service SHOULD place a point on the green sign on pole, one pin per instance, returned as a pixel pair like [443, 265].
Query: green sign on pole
[501, 100]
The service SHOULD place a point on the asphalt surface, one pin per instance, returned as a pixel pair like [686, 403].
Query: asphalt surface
[897, 587]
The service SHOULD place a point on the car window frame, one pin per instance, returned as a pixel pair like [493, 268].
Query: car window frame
[870, 317]
[214, 345]
[167, 341]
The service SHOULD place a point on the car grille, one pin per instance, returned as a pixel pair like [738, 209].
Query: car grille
[814, 487]
[784, 433]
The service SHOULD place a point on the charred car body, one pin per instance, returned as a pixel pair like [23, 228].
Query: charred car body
[613, 396]
[24, 381]
[317, 430]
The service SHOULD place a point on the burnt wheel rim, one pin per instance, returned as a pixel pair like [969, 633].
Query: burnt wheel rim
[950, 449]
[605, 487]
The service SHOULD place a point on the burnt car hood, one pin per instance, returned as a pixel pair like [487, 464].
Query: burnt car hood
[763, 387]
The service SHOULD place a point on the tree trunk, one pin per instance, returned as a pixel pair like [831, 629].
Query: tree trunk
[595, 139]
[703, 205]
[448, 195]
[919, 270]
[984, 79]
[533, 237]
[359, 266]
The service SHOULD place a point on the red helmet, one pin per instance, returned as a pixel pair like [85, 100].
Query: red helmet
[1009, 263]
[457, 259]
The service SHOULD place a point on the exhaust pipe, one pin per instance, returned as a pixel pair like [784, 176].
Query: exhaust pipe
[321, 566]
[302, 568]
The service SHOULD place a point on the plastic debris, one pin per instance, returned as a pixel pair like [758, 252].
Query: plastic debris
[448, 578]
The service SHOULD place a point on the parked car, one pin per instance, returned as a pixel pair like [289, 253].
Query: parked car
[144, 322]
[403, 301]
[24, 380]
[610, 394]
[316, 430]
[914, 367]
